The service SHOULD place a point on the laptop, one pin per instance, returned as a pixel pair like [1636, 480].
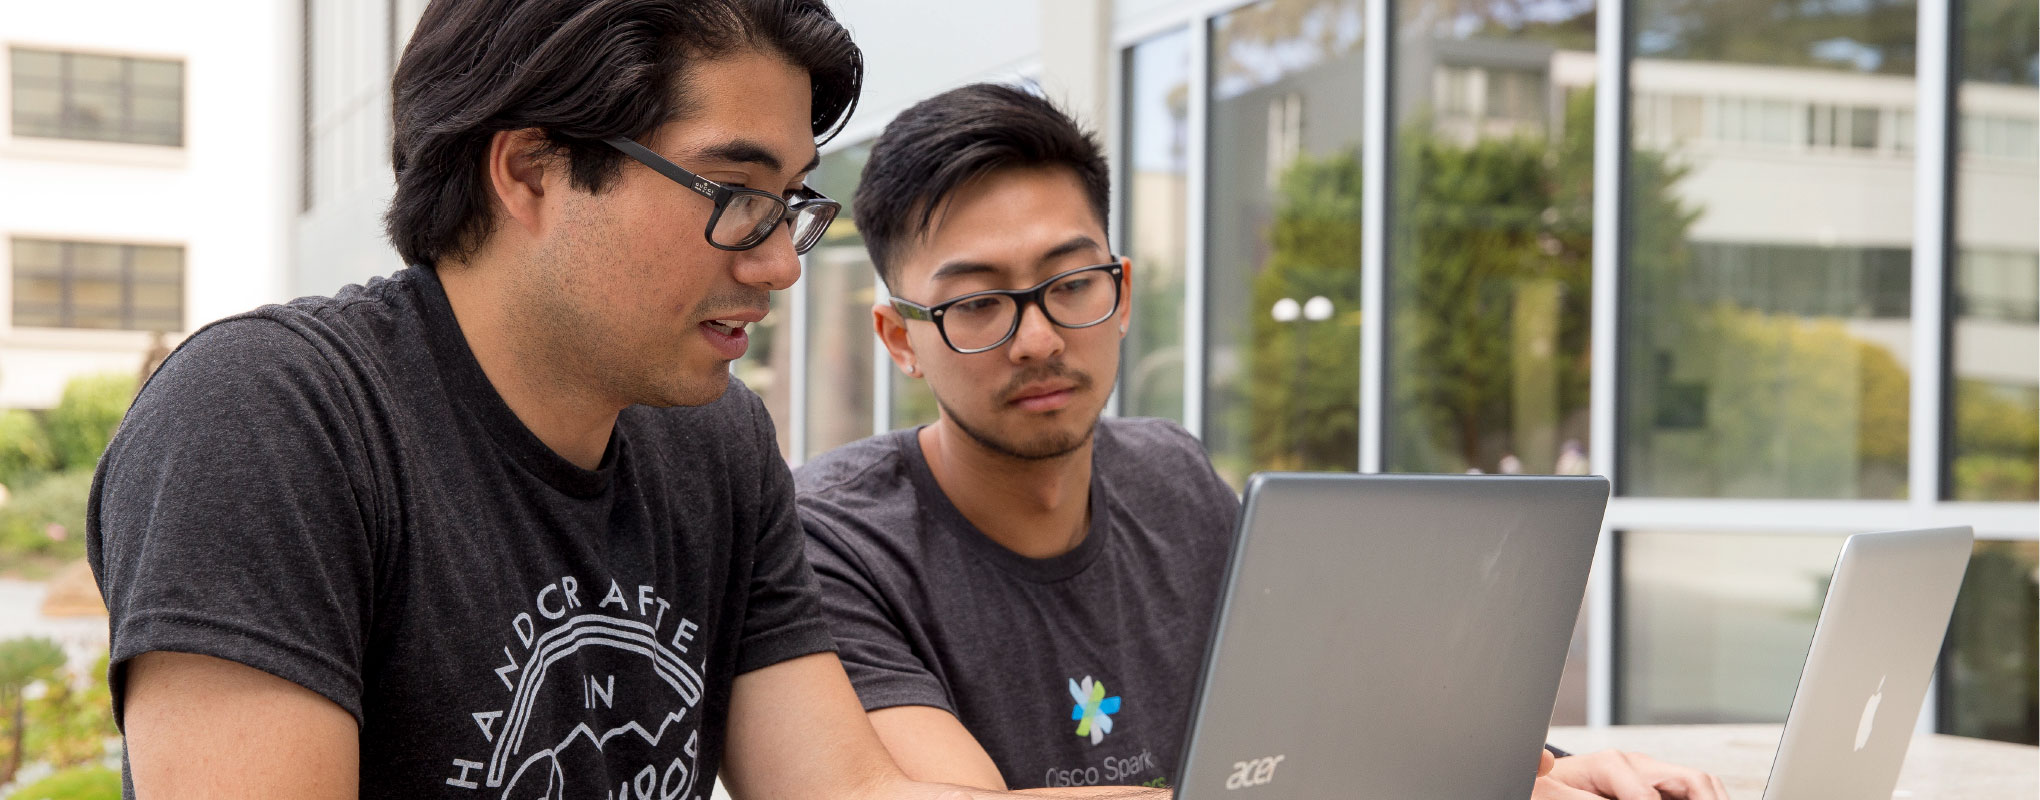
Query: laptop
[1872, 656]
[1391, 636]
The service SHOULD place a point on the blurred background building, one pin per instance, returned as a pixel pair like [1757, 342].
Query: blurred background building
[1773, 267]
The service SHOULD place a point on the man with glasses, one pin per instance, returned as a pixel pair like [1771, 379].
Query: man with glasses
[501, 525]
[1022, 590]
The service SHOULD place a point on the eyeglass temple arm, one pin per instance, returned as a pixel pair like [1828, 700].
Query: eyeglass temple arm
[912, 310]
[645, 156]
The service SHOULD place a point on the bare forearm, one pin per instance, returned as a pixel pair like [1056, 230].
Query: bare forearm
[932, 791]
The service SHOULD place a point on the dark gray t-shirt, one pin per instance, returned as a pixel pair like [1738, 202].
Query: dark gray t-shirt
[332, 492]
[1072, 670]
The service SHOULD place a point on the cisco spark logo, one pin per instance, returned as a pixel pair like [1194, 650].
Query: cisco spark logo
[1093, 710]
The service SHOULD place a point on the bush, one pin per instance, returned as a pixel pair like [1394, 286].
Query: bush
[25, 451]
[83, 783]
[85, 418]
[44, 524]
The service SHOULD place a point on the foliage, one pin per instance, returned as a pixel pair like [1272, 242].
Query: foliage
[44, 525]
[23, 661]
[82, 783]
[1997, 442]
[86, 416]
[69, 726]
[1304, 410]
[25, 451]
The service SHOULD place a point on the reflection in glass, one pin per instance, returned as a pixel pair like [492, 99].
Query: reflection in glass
[1490, 268]
[1994, 453]
[1715, 627]
[1284, 224]
[841, 290]
[1157, 118]
[1766, 312]
[1988, 668]
[912, 403]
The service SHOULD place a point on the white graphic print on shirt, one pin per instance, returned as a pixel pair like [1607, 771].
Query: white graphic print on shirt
[593, 692]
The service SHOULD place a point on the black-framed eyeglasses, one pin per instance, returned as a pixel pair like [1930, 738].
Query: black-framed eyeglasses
[743, 217]
[980, 321]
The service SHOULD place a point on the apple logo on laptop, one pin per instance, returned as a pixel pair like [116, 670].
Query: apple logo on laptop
[1869, 715]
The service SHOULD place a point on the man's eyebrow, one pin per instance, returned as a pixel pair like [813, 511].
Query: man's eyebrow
[958, 269]
[745, 151]
[1077, 243]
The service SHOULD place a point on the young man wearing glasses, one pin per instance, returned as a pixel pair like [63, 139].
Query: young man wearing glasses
[1022, 591]
[502, 525]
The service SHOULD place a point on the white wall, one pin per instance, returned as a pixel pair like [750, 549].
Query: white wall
[227, 196]
[916, 48]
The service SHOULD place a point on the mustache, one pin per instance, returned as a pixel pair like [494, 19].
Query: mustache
[1034, 373]
[745, 298]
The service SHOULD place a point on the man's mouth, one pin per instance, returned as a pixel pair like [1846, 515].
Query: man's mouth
[726, 327]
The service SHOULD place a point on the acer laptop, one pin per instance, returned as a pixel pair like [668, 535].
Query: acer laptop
[1391, 636]
[1872, 656]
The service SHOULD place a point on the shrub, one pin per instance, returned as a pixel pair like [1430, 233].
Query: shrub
[25, 451]
[86, 416]
[44, 524]
[83, 783]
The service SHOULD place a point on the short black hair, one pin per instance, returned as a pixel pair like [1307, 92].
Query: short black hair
[944, 142]
[580, 71]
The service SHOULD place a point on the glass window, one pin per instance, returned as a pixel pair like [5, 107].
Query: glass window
[100, 98]
[1154, 224]
[1994, 394]
[1766, 319]
[764, 368]
[841, 288]
[59, 284]
[1987, 688]
[1714, 627]
[1492, 258]
[1283, 299]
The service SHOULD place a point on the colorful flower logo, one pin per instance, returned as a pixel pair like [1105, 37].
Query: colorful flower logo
[1093, 709]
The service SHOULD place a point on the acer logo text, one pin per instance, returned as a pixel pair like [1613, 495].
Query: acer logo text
[1253, 773]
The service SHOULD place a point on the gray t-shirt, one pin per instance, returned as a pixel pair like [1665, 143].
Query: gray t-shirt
[1072, 670]
[332, 492]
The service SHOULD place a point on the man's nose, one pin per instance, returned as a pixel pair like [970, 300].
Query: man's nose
[1037, 338]
[772, 265]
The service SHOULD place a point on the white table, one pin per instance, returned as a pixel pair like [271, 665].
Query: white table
[1936, 767]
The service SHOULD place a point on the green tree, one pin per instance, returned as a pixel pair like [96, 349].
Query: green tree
[23, 661]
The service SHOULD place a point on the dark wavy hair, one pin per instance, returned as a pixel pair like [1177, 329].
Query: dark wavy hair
[944, 142]
[581, 71]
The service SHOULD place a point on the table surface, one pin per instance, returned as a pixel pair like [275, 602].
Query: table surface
[1936, 767]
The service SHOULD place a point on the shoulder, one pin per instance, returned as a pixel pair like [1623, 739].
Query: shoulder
[1150, 440]
[1157, 465]
[859, 496]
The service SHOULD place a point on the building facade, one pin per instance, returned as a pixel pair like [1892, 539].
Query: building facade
[147, 171]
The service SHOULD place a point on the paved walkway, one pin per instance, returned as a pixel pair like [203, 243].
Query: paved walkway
[83, 638]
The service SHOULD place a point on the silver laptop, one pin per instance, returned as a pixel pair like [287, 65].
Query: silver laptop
[1873, 654]
[1391, 636]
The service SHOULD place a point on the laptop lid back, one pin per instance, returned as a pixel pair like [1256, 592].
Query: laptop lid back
[1391, 636]
[1873, 654]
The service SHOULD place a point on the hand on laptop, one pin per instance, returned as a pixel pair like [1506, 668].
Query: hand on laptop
[1624, 776]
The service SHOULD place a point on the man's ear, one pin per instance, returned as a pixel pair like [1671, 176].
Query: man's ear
[1125, 295]
[892, 332]
[516, 172]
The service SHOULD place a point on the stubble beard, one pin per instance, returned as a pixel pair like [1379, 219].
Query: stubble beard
[1051, 445]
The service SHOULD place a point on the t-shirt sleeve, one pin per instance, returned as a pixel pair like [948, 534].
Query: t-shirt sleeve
[876, 651]
[782, 618]
[230, 515]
